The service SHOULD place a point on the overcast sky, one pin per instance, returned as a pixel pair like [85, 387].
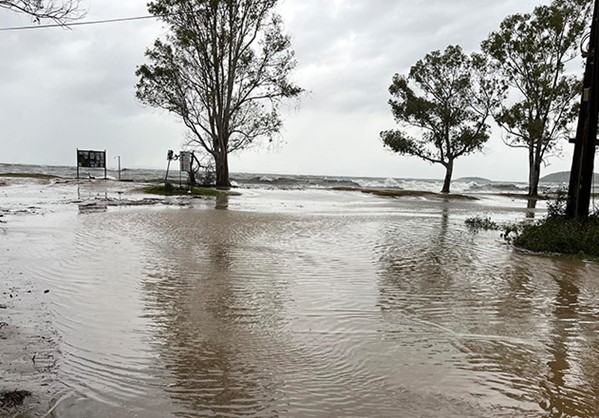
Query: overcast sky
[67, 89]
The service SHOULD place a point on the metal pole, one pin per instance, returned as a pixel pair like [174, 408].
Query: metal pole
[581, 175]
[119, 160]
[166, 177]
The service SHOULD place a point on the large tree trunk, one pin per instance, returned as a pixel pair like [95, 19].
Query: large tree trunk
[222, 170]
[534, 174]
[448, 174]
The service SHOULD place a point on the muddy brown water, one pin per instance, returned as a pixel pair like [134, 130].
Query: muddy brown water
[336, 309]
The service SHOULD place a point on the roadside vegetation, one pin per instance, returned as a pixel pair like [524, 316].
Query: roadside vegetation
[554, 234]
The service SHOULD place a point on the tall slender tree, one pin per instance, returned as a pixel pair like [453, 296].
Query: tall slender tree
[530, 52]
[445, 116]
[224, 69]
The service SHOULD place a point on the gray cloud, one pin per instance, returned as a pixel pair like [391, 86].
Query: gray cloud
[63, 89]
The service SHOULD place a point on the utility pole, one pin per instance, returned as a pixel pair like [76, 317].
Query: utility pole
[581, 175]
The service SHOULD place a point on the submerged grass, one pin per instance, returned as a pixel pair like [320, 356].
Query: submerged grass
[30, 175]
[171, 190]
[405, 193]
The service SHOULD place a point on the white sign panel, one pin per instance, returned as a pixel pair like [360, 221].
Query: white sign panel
[185, 160]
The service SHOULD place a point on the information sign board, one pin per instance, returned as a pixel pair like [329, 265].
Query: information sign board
[91, 159]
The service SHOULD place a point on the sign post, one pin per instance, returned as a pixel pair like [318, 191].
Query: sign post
[91, 159]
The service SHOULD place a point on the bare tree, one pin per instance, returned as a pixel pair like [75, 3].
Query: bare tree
[223, 69]
[58, 11]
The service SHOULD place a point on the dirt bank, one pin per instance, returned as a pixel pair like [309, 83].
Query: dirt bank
[28, 344]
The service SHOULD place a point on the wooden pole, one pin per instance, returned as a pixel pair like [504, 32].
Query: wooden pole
[581, 175]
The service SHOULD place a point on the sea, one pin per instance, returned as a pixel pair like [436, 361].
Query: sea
[470, 185]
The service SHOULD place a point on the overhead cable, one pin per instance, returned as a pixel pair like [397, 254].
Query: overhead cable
[68, 25]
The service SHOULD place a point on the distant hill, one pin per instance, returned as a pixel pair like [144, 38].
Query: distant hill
[561, 177]
[473, 180]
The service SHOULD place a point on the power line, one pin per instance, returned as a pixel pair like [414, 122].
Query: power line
[68, 25]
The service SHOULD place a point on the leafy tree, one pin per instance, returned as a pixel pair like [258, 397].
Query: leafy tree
[59, 11]
[530, 52]
[445, 118]
[223, 69]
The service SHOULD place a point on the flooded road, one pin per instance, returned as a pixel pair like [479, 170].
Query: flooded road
[319, 306]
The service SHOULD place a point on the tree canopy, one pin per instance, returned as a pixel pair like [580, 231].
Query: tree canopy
[224, 69]
[530, 52]
[442, 108]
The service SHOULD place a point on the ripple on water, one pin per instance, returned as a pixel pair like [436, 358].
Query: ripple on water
[222, 313]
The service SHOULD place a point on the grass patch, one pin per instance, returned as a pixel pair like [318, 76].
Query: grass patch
[405, 193]
[527, 197]
[30, 176]
[171, 190]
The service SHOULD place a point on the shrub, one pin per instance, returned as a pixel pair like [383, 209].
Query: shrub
[557, 234]
[478, 223]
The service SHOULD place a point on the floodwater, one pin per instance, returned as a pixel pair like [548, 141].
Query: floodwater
[323, 304]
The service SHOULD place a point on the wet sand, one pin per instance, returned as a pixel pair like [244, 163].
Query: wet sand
[287, 303]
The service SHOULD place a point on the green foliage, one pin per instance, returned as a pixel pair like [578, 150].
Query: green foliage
[530, 52]
[169, 188]
[442, 107]
[478, 223]
[224, 68]
[556, 233]
[560, 235]
[556, 208]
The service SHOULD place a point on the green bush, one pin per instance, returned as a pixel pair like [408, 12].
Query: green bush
[169, 188]
[557, 234]
[553, 234]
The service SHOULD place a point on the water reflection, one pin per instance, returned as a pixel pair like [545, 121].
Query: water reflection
[363, 313]
[222, 202]
[570, 381]
[210, 320]
[531, 207]
[506, 328]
